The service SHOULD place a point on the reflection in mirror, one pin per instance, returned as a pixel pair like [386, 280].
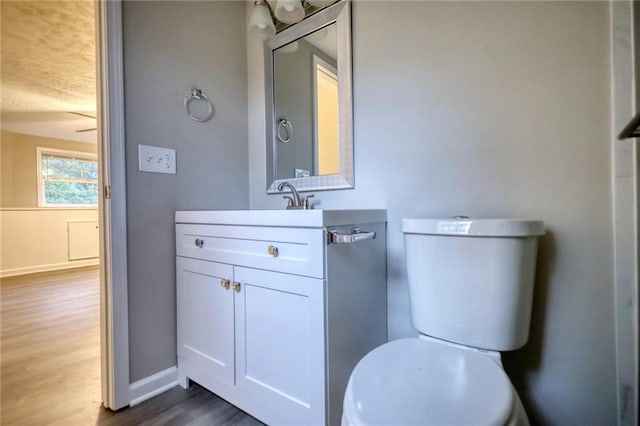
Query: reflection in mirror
[308, 82]
[325, 118]
[306, 105]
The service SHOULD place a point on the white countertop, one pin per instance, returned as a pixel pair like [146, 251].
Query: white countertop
[297, 218]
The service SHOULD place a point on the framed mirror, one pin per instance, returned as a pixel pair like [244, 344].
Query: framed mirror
[309, 103]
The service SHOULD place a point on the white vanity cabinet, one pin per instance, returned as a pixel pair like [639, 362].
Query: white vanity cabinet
[273, 318]
[201, 300]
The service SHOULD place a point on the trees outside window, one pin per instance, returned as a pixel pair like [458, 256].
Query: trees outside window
[67, 178]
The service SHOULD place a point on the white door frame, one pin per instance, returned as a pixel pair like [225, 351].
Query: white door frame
[625, 208]
[114, 311]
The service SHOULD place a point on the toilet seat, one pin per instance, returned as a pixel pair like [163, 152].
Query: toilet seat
[418, 382]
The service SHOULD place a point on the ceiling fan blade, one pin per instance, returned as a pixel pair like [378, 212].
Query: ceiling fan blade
[81, 114]
[86, 130]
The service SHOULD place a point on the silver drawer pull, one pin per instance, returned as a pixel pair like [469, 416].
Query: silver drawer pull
[355, 236]
[199, 243]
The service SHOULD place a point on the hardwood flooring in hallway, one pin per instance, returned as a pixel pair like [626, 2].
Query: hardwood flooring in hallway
[50, 361]
[50, 365]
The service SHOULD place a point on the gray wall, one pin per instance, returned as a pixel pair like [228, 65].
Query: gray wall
[491, 110]
[169, 48]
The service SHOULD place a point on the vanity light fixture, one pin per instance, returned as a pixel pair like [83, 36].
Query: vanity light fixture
[289, 11]
[264, 24]
[260, 22]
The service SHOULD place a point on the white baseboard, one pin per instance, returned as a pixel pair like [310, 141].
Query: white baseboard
[153, 385]
[48, 268]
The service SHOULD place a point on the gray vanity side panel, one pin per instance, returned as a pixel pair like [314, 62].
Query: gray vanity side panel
[356, 305]
[170, 47]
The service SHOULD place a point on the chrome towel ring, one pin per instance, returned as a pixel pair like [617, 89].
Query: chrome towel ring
[198, 95]
[285, 124]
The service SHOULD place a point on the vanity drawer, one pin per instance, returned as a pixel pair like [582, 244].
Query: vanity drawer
[292, 250]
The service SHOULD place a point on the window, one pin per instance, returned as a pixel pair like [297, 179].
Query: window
[67, 178]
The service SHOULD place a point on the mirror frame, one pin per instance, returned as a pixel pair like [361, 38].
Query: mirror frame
[340, 13]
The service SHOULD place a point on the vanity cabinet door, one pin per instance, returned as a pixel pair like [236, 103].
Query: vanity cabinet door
[280, 353]
[205, 317]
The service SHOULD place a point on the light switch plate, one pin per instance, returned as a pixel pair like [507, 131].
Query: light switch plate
[154, 159]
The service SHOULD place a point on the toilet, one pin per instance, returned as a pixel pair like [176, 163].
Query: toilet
[471, 290]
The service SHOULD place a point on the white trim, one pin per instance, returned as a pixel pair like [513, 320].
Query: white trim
[625, 211]
[68, 152]
[39, 185]
[114, 309]
[48, 268]
[153, 385]
[35, 209]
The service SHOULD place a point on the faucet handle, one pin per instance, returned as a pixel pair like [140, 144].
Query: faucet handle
[306, 201]
[289, 200]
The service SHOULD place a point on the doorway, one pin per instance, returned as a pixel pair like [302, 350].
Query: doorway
[51, 102]
[50, 216]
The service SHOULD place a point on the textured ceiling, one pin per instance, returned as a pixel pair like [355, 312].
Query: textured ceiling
[48, 67]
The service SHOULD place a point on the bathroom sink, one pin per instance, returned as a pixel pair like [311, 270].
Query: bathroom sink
[300, 218]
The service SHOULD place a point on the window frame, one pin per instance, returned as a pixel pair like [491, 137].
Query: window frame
[40, 151]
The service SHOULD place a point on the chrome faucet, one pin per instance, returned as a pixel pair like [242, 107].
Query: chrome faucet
[296, 201]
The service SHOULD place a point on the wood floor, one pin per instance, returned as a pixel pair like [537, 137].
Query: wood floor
[50, 361]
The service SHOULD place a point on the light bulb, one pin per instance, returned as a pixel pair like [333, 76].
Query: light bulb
[289, 11]
[260, 22]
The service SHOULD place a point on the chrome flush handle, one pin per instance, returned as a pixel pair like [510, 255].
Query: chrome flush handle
[355, 236]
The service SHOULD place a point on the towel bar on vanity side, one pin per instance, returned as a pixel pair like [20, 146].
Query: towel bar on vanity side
[355, 236]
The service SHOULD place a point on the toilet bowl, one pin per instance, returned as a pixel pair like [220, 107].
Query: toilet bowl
[470, 288]
[420, 382]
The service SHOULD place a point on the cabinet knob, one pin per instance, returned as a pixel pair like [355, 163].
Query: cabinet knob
[273, 251]
[235, 286]
[225, 283]
[199, 243]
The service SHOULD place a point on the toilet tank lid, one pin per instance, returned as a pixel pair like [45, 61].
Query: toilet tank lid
[473, 227]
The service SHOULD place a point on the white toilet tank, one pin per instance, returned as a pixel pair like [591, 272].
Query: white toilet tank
[471, 280]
